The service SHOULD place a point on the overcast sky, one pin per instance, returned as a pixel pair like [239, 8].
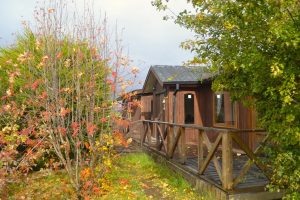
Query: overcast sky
[149, 39]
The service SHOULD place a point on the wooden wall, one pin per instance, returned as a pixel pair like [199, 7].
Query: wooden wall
[158, 112]
[146, 107]
[203, 110]
[244, 119]
[203, 105]
[191, 134]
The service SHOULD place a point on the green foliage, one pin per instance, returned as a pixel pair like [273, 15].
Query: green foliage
[254, 46]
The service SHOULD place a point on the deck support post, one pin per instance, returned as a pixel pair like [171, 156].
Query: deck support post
[200, 149]
[156, 134]
[142, 138]
[170, 137]
[182, 146]
[227, 161]
[149, 135]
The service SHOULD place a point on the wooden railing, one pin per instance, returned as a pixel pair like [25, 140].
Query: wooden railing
[169, 136]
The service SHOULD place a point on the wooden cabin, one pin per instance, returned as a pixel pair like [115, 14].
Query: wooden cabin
[199, 132]
[183, 95]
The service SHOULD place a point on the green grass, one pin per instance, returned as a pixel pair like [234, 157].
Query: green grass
[133, 176]
[137, 176]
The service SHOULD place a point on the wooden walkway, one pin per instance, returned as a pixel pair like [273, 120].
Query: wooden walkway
[254, 178]
[210, 165]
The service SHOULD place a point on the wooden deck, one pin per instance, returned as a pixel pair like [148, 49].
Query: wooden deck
[254, 178]
[211, 165]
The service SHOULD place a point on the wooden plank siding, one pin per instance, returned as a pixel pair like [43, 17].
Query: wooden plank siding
[146, 107]
[203, 111]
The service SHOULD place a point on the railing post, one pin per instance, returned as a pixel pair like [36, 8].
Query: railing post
[156, 134]
[157, 140]
[182, 146]
[227, 161]
[200, 149]
[143, 133]
[170, 140]
[149, 134]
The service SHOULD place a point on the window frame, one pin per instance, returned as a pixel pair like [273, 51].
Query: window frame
[193, 108]
[226, 113]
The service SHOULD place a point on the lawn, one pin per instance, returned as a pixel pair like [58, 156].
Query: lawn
[134, 176]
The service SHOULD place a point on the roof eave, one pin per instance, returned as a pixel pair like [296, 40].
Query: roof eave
[147, 77]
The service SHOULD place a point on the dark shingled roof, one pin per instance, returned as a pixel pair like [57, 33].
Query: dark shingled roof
[166, 74]
[179, 74]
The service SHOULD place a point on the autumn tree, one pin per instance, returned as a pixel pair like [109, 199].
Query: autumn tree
[254, 47]
[56, 90]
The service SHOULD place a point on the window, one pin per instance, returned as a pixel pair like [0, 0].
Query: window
[189, 109]
[224, 110]
[219, 108]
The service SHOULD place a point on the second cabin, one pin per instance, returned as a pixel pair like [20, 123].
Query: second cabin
[176, 94]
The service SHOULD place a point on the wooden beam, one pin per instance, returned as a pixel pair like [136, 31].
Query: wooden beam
[169, 140]
[200, 149]
[149, 134]
[242, 173]
[247, 165]
[250, 154]
[163, 138]
[215, 160]
[145, 133]
[175, 142]
[182, 146]
[194, 126]
[227, 161]
[156, 134]
[211, 154]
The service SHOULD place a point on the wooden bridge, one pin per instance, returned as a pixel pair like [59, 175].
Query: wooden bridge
[225, 167]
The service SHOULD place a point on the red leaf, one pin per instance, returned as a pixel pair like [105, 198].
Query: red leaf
[35, 84]
[96, 189]
[87, 184]
[44, 95]
[114, 74]
[75, 132]
[78, 144]
[6, 107]
[4, 97]
[26, 131]
[30, 142]
[62, 130]
[113, 88]
[64, 112]
[46, 116]
[103, 120]
[91, 128]
[109, 81]
[75, 127]
[87, 145]
[59, 55]
[124, 181]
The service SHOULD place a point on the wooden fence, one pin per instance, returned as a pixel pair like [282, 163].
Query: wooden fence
[166, 137]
